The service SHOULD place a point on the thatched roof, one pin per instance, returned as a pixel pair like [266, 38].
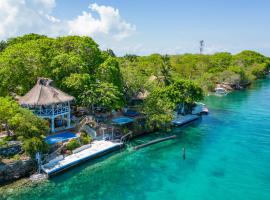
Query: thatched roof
[44, 94]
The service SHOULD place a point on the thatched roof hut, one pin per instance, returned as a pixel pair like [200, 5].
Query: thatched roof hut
[43, 93]
[48, 102]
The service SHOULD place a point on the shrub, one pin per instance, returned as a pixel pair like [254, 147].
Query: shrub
[125, 130]
[3, 143]
[73, 144]
[259, 70]
[20, 121]
[5, 140]
[33, 145]
[16, 157]
[85, 138]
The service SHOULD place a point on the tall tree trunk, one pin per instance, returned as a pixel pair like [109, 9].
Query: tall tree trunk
[7, 129]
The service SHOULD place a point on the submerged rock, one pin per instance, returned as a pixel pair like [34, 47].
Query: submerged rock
[38, 177]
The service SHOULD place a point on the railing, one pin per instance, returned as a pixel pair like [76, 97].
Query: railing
[126, 137]
[61, 110]
[51, 112]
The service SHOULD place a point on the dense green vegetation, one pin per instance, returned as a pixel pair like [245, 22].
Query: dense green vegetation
[175, 79]
[23, 125]
[159, 106]
[85, 138]
[73, 144]
[99, 78]
[206, 70]
[75, 63]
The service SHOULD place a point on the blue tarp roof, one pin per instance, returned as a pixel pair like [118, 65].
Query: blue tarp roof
[122, 120]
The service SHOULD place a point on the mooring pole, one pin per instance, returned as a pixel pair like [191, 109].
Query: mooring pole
[38, 159]
[184, 153]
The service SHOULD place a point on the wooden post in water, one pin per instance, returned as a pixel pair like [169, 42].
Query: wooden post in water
[184, 153]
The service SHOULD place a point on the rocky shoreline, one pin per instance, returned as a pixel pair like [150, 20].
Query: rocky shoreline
[18, 169]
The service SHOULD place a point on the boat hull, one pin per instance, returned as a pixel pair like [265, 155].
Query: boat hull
[183, 120]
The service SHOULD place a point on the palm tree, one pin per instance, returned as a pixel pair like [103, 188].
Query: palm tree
[166, 69]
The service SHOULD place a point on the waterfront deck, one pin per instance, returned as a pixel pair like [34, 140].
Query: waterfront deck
[97, 148]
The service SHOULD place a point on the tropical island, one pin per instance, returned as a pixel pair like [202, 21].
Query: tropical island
[68, 86]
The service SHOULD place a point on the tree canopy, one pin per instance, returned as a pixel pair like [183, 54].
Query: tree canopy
[23, 124]
[206, 70]
[160, 105]
[99, 78]
[73, 62]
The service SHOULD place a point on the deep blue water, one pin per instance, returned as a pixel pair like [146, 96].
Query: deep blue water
[227, 157]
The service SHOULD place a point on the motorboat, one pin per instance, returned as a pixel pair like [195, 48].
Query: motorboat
[199, 108]
[220, 91]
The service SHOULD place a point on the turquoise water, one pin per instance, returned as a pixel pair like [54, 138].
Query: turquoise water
[227, 157]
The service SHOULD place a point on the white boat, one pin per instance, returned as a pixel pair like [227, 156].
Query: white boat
[181, 120]
[220, 91]
[200, 108]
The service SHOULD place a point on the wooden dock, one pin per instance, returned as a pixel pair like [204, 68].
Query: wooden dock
[184, 119]
[154, 142]
[97, 149]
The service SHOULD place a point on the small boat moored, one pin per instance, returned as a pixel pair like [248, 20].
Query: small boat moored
[199, 108]
[220, 91]
[181, 120]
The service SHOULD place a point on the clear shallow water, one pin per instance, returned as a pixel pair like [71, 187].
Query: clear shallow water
[227, 157]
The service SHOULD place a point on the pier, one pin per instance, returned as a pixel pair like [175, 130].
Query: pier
[96, 149]
[154, 142]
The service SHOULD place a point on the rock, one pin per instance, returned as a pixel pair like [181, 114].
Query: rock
[13, 148]
[38, 177]
[16, 170]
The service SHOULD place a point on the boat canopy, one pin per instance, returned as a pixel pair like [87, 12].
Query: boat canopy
[220, 89]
